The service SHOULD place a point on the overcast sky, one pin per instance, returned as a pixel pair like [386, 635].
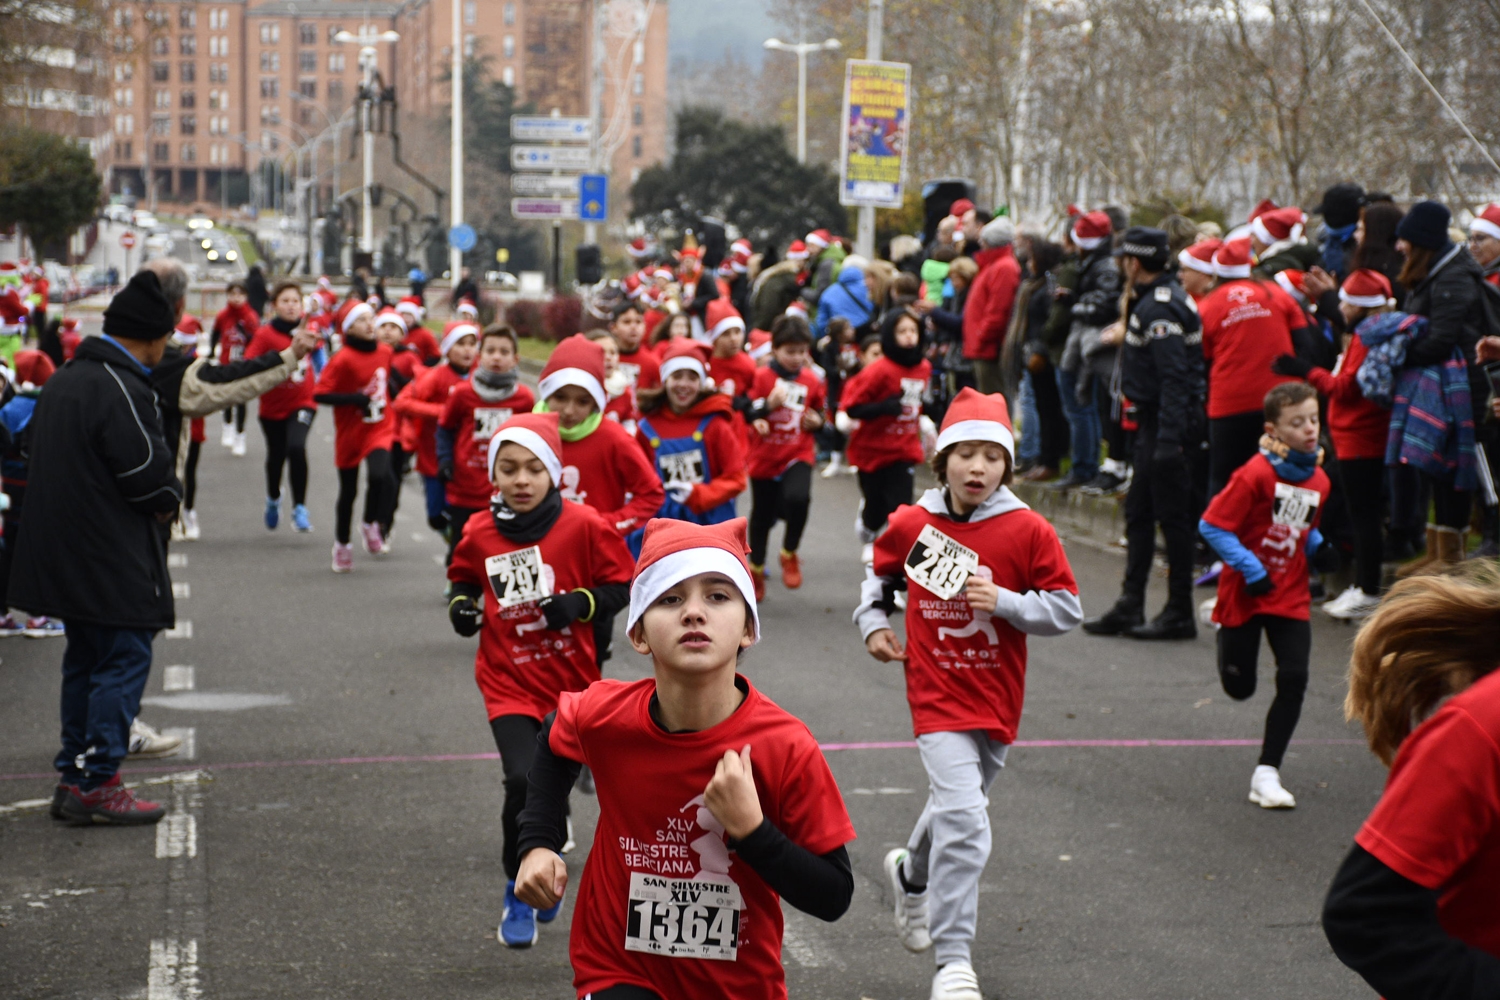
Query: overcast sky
[703, 29]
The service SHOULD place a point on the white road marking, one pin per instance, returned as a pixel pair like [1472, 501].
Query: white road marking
[173, 973]
[177, 678]
[25, 805]
[183, 630]
[181, 591]
[440, 560]
[416, 536]
[176, 560]
[177, 835]
[189, 737]
[880, 791]
[215, 701]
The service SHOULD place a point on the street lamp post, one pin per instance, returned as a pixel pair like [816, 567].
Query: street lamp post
[801, 50]
[367, 39]
[456, 140]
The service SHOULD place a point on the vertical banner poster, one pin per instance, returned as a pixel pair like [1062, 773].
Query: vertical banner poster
[877, 103]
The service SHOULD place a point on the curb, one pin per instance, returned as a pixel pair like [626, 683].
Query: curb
[1099, 521]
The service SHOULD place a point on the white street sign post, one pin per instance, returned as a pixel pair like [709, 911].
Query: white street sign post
[544, 185]
[555, 209]
[549, 157]
[544, 128]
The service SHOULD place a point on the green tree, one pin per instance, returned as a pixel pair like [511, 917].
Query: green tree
[741, 174]
[47, 186]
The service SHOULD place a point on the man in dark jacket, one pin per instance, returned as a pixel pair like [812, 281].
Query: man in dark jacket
[1161, 372]
[101, 485]
[1083, 370]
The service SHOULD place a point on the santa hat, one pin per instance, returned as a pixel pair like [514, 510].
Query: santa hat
[726, 268]
[739, 260]
[1232, 260]
[818, 239]
[1091, 230]
[389, 315]
[974, 416]
[33, 368]
[663, 272]
[1200, 256]
[684, 355]
[324, 283]
[349, 313]
[742, 245]
[673, 551]
[1366, 288]
[1277, 225]
[13, 313]
[631, 286]
[640, 248]
[411, 308]
[760, 340]
[1487, 223]
[797, 251]
[466, 307]
[1267, 205]
[576, 361]
[959, 207]
[720, 317]
[538, 434]
[1292, 281]
[455, 331]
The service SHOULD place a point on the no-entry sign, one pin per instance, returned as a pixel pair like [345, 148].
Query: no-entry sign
[127, 240]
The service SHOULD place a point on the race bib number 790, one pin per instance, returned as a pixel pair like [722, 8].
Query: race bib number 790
[683, 918]
[939, 565]
[516, 577]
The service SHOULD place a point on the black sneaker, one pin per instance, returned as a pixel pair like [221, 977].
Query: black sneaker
[1125, 615]
[1071, 481]
[59, 796]
[1172, 623]
[1105, 484]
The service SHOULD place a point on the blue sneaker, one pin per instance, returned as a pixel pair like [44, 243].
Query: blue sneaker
[273, 513]
[518, 922]
[301, 521]
[549, 914]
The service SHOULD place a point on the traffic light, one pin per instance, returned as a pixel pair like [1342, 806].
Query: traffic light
[589, 264]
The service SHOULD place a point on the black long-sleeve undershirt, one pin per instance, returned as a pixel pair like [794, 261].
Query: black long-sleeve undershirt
[1385, 927]
[342, 399]
[818, 885]
[891, 406]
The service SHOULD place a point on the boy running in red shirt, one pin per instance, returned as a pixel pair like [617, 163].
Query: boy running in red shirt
[529, 574]
[637, 360]
[475, 410]
[681, 895]
[981, 571]
[286, 412]
[788, 403]
[422, 405]
[1264, 525]
[233, 327]
[355, 384]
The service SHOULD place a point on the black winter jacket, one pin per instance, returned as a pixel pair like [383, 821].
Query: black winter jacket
[101, 471]
[1096, 296]
[1456, 311]
[1161, 368]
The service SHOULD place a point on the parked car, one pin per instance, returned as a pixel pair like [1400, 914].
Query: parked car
[198, 222]
[117, 213]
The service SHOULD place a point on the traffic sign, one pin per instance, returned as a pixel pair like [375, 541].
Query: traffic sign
[544, 128]
[127, 239]
[549, 157]
[593, 198]
[461, 237]
[544, 185]
[544, 208]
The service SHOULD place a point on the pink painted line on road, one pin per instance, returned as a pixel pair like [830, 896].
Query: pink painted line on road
[443, 758]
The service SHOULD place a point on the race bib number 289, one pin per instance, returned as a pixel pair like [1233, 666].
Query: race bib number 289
[939, 565]
[683, 918]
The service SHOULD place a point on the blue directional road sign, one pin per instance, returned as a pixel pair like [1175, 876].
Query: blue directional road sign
[461, 237]
[593, 198]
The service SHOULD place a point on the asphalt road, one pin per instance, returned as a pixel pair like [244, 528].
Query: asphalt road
[342, 839]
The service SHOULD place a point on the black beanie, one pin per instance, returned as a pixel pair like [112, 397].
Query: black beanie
[1341, 204]
[140, 311]
[1425, 225]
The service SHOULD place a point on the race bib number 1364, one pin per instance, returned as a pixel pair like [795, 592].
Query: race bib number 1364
[683, 918]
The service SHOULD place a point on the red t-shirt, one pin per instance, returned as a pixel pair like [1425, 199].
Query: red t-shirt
[1438, 823]
[423, 341]
[884, 441]
[522, 666]
[1246, 326]
[472, 422]
[296, 393]
[787, 443]
[1271, 517]
[234, 327]
[356, 434]
[421, 404]
[608, 471]
[732, 375]
[656, 844]
[967, 670]
[1358, 427]
[641, 368]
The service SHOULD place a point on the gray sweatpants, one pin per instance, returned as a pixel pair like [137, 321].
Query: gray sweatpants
[951, 842]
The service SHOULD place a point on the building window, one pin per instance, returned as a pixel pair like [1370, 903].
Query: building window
[218, 18]
[187, 72]
[124, 97]
[508, 47]
[637, 115]
[270, 87]
[469, 43]
[307, 62]
[215, 97]
[188, 125]
[123, 18]
[275, 143]
[638, 84]
[161, 45]
[304, 114]
[189, 152]
[187, 45]
[635, 146]
[333, 30]
[161, 99]
[335, 91]
[510, 14]
[335, 62]
[161, 124]
[187, 18]
[124, 147]
[308, 89]
[161, 152]
[156, 18]
[124, 124]
[218, 46]
[124, 72]
[307, 34]
[189, 99]
[270, 33]
[270, 62]
[219, 73]
[470, 12]
[508, 76]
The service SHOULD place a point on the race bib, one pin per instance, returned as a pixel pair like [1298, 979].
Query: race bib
[1294, 506]
[911, 395]
[681, 466]
[516, 577]
[631, 372]
[487, 420]
[939, 565]
[683, 918]
[375, 389]
[299, 374]
[796, 395]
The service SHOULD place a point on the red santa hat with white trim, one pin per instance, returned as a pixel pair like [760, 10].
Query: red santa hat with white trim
[1487, 223]
[537, 433]
[1200, 256]
[349, 313]
[641, 248]
[743, 246]
[720, 317]
[466, 307]
[1092, 229]
[411, 308]
[797, 251]
[13, 313]
[631, 286]
[576, 361]
[974, 416]
[817, 239]
[739, 260]
[1292, 282]
[1367, 288]
[760, 340]
[685, 355]
[392, 316]
[454, 331]
[1278, 224]
[1232, 260]
[673, 551]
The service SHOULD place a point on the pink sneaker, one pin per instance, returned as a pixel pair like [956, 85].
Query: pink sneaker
[374, 542]
[343, 558]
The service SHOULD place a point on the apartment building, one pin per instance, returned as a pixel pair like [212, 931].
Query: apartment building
[57, 78]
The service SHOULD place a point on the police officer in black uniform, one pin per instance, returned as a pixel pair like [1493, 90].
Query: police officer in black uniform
[1161, 374]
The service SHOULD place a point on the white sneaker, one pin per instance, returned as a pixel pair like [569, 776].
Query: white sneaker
[1352, 605]
[227, 438]
[911, 909]
[1266, 790]
[956, 981]
[239, 445]
[178, 531]
[1206, 612]
[867, 553]
[835, 465]
[570, 843]
[147, 742]
[190, 525]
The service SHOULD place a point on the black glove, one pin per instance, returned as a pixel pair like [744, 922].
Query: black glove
[464, 613]
[563, 610]
[445, 471]
[1166, 451]
[1290, 364]
[1325, 558]
[1259, 587]
[891, 406]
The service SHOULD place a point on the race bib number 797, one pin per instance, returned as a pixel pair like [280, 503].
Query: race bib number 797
[939, 565]
[683, 918]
